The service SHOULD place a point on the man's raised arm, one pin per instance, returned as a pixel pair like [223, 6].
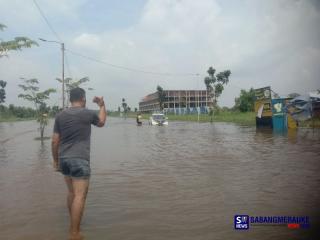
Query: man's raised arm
[102, 112]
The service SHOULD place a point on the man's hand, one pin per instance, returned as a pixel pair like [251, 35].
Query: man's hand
[99, 101]
[56, 165]
[102, 111]
[55, 150]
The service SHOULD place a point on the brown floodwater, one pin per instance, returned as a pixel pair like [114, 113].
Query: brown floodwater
[182, 181]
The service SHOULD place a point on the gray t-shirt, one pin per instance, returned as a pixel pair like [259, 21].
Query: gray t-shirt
[74, 127]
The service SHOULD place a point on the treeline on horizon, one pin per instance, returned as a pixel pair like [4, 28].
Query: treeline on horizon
[243, 103]
[12, 111]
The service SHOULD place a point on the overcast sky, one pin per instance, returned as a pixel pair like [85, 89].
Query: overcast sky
[264, 43]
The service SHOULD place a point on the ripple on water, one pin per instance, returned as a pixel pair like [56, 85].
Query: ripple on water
[184, 181]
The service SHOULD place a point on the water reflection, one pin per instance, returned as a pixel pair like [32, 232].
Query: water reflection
[184, 181]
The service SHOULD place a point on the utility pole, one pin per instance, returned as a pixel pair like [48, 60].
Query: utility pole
[63, 83]
[198, 107]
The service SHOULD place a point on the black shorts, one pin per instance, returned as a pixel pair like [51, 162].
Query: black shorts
[75, 167]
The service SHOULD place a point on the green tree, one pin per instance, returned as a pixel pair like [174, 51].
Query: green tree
[245, 102]
[162, 96]
[74, 83]
[54, 111]
[71, 83]
[20, 112]
[3, 84]
[13, 45]
[33, 94]
[215, 86]
[2, 97]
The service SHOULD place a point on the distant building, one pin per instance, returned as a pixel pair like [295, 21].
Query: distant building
[177, 101]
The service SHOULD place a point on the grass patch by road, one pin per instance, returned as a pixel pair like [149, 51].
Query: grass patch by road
[243, 118]
[247, 118]
[13, 119]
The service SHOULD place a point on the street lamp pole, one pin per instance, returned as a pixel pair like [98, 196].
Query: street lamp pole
[63, 90]
[198, 109]
[63, 83]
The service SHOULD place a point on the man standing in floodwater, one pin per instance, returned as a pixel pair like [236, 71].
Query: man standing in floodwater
[71, 151]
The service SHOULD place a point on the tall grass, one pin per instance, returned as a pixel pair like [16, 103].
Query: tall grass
[247, 118]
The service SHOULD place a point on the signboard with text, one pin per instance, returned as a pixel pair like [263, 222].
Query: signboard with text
[262, 105]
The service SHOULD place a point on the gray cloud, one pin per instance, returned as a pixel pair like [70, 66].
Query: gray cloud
[263, 43]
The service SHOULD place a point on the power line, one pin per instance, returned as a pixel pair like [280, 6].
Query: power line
[111, 64]
[54, 32]
[236, 85]
[129, 68]
[138, 70]
[103, 62]
[47, 21]
[107, 63]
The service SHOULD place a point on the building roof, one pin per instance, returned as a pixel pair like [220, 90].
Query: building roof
[153, 96]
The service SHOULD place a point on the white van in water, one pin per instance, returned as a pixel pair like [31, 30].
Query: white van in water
[158, 119]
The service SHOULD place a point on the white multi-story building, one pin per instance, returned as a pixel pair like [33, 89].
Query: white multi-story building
[177, 101]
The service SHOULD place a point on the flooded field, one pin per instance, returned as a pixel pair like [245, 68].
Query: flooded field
[183, 181]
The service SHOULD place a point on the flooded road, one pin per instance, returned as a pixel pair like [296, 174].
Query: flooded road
[183, 181]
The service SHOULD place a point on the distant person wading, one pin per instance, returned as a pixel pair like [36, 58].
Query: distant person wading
[71, 151]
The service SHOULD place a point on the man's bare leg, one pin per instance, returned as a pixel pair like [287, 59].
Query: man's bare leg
[80, 190]
[70, 196]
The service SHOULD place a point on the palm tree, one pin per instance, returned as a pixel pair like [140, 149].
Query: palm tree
[162, 96]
